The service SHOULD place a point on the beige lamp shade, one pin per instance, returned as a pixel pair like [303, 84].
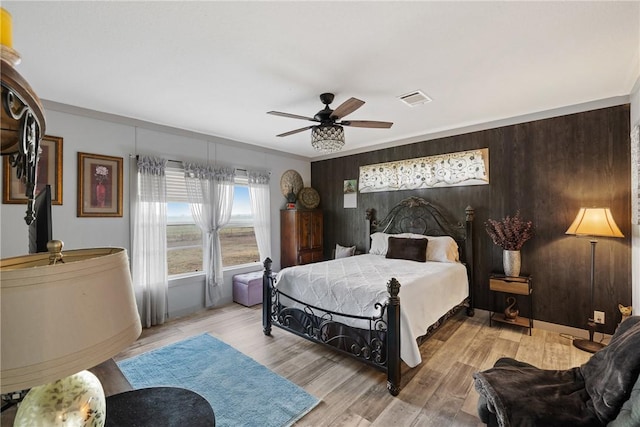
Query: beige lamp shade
[594, 222]
[60, 319]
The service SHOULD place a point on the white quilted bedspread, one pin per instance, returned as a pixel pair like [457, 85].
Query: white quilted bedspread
[354, 284]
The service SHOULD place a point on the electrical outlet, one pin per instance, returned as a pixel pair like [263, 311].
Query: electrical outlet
[598, 317]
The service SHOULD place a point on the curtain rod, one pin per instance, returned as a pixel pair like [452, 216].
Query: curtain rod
[131, 156]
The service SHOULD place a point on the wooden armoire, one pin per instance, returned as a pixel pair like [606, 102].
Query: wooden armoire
[300, 236]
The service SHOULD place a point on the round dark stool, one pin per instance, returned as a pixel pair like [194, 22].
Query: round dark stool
[159, 406]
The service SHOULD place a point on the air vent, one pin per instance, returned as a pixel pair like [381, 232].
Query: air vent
[414, 98]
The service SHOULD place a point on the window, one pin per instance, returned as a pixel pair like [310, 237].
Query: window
[238, 239]
[185, 240]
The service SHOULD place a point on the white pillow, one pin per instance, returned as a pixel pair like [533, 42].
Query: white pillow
[379, 243]
[344, 251]
[442, 249]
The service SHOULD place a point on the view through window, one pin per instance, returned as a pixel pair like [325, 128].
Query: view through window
[185, 240]
[238, 239]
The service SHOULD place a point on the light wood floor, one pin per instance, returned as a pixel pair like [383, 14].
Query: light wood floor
[438, 392]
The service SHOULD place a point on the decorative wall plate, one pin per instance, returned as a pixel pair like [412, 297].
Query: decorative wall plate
[309, 198]
[290, 181]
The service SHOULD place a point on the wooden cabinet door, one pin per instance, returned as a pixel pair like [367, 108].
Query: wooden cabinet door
[317, 256]
[316, 232]
[307, 257]
[305, 230]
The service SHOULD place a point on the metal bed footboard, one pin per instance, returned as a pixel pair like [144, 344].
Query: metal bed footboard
[378, 345]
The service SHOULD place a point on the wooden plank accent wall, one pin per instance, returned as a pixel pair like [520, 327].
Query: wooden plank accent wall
[547, 169]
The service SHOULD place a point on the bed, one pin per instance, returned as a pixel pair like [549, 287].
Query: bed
[352, 304]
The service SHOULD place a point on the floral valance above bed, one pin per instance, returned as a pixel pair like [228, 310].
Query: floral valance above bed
[443, 170]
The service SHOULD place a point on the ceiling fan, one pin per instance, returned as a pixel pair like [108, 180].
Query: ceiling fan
[328, 136]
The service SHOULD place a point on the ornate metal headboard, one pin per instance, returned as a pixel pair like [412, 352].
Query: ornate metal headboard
[416, 215]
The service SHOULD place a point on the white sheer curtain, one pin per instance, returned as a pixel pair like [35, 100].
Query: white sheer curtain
[260, 208]
[149, 258]
[210, 193]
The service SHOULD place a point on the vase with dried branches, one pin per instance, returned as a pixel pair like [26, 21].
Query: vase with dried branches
[510, 233]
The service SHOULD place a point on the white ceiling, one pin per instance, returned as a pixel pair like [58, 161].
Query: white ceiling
[218, 67]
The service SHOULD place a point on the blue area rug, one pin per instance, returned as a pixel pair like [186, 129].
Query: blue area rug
[241, 391]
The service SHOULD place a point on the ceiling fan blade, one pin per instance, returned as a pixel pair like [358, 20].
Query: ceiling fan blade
[291, 132]
[291, 116]
[367, 124]
[347, 107]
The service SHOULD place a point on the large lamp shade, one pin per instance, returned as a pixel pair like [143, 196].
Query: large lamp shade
[60, 319]
[597, 222]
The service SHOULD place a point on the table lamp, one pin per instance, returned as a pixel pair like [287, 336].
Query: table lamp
[592, 223]
[63, 313]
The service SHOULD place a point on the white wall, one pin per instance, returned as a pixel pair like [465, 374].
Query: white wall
[96, 133]
[635, 170]
[80, 134]
[635, 228]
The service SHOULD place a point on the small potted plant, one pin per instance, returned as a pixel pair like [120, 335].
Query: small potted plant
[510, 233]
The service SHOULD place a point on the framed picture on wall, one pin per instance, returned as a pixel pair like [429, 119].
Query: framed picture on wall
[49, 172]
[99, 185]
[350, 189]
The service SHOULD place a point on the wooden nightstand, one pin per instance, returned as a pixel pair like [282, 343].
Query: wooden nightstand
[516, 285]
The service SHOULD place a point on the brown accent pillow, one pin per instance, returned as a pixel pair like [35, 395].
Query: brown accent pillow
[410, 249]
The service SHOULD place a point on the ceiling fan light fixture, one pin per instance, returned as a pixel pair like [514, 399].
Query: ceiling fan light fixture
[327, 138]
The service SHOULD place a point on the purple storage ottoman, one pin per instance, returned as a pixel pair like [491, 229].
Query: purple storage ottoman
[247, 288]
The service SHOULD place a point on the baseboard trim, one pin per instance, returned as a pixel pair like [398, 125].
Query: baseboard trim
[554, 327]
